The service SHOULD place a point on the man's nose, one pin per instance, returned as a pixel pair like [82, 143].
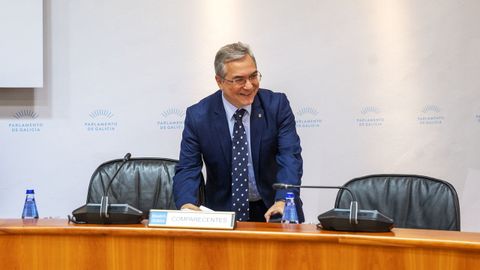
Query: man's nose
[248, 84]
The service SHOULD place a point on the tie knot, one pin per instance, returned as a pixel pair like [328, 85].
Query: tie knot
[239, 114]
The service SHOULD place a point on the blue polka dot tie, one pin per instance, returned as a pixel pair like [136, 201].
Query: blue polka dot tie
[239, 168]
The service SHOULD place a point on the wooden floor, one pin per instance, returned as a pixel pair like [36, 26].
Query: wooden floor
[55, 244]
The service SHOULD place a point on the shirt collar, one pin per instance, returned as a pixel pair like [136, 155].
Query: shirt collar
[230, 109]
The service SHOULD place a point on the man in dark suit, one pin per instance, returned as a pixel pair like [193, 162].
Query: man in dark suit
[271, 151]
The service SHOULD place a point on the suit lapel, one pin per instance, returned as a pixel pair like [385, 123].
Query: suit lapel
[257, 126]
[221, 126]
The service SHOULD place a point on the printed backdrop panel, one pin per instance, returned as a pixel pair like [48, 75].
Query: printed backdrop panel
[377, 86]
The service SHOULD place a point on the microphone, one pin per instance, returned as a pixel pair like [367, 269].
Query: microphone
[358, 220]
[104, 199]
[106, 213]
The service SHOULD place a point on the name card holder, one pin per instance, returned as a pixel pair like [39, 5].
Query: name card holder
[191, 219]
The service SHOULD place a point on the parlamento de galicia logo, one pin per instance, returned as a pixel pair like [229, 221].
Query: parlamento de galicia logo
[307, 117]
[101, 121]
[431, 115]
[172, 118]
[371, 117]
[26, 122]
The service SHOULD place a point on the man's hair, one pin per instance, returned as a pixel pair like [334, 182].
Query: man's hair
[229, 53]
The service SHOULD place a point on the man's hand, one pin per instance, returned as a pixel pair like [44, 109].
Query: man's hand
[190, 206]
[277, 208]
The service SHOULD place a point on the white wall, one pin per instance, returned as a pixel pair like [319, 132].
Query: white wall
[378, 86]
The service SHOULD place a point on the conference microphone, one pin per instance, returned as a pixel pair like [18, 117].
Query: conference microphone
[104, 200]
[351, 219]
[105, 212]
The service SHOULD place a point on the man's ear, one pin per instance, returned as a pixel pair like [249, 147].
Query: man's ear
[219, 81]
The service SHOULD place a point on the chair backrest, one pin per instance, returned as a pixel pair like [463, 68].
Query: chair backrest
[413, 201]
[144, 183]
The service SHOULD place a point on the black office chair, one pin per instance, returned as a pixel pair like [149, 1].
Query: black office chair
[144, 183]
[413, 201]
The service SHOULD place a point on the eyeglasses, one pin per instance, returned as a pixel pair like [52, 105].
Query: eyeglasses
[239, 82]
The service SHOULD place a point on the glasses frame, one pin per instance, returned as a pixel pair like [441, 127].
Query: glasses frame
[254, 77]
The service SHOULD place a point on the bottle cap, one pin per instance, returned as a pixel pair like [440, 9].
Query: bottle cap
[30, 191]
[290, 195]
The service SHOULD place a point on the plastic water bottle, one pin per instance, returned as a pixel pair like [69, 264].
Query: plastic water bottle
[290, 211]
[30, 207]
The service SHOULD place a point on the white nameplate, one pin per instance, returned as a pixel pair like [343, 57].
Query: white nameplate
[191, 219]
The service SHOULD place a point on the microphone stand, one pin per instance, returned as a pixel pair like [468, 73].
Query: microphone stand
[104, 199]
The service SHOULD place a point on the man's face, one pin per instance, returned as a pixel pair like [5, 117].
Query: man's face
[237, 94]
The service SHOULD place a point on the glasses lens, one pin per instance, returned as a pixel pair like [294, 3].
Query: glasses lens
[256, 77]
[240, 81]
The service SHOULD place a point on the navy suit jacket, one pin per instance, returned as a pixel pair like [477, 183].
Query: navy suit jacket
[275, 148]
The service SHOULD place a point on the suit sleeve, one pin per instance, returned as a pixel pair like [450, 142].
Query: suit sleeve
[289, 158]
[188, 171]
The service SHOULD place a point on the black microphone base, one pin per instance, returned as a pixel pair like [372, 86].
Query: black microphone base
[368, 221]
[117, 214]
